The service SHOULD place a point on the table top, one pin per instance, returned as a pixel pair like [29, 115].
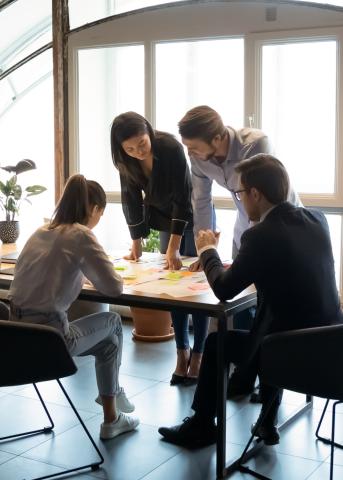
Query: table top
[131, 296]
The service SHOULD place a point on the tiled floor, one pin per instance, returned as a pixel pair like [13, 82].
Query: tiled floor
[145, 373]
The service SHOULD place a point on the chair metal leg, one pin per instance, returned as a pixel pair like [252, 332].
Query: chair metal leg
[34, 432]
[94, 465]
[251, 450]
[243, 458]
[325, 439]
[332, 443]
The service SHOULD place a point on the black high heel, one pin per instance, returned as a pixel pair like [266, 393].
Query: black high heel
[180, 379]
[177, 379]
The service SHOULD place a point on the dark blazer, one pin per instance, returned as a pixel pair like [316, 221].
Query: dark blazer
[288, 256]
[163, 202]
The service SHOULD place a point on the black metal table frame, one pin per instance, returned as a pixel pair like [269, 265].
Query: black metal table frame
[220, 310]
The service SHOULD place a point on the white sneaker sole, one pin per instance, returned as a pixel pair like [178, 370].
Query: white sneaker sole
[119, 431]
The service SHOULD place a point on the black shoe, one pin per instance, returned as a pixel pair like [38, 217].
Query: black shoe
[235, 389]
[189, 381]
[255, 397]
[268, 433]
[192, 433]
[177, 379]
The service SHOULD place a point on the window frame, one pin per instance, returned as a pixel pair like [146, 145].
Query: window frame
[334, 200]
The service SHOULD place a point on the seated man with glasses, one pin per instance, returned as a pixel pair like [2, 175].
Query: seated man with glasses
[288, 256]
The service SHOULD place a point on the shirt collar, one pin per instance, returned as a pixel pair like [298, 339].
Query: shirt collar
[263, 216]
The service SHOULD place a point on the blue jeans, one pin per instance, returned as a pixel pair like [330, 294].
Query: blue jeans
[180, 319]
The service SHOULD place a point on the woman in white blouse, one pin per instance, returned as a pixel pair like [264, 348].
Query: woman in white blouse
[49, 276]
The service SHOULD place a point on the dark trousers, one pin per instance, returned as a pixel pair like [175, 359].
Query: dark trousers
[180, 319]
[238, 348]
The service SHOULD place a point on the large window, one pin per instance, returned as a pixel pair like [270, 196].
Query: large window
[111, 81]
[187, 76]
[299, 110]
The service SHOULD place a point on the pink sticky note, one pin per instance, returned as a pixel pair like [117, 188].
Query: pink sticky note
[199, 286]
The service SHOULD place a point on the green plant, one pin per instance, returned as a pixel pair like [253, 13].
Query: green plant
[12, 194]
[152, 242]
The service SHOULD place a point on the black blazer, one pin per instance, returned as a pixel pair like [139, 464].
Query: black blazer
[164, 201]
[288, 256]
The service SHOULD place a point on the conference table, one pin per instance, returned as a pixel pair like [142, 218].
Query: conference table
[206, 302]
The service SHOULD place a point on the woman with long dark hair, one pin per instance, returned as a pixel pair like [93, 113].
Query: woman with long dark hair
[49, 276]
[156, 193]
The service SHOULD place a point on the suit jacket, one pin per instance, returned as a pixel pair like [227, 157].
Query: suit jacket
[288, 256]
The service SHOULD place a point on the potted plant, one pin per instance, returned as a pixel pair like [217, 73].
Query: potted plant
[11, 197]
[151, 325]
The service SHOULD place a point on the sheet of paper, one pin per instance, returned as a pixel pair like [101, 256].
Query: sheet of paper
[183, 286]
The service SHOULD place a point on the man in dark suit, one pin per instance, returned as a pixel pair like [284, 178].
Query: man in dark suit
[288, 256]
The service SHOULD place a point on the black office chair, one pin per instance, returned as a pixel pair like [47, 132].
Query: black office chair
[305, 361]
[32, 354]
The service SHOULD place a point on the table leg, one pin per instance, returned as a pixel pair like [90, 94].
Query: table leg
[221, 396]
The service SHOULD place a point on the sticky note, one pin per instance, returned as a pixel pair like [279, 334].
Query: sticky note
[174, 275]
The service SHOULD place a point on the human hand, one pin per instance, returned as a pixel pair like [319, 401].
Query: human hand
[206, 237]
[173, 260]
[196, 266]
[136, 251]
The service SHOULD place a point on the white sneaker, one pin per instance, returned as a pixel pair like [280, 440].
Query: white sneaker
[122, 402]
[123, 424]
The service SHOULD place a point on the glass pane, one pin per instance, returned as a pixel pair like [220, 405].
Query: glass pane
[111, 81]
[225, 223]
[31, 72]
[6, 95]
[112, 231]
[187, 76]
[85, 11]
[27, 131]
[32, 22]
[299, 110]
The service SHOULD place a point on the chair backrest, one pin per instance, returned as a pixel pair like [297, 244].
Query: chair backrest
[31, 353]
[307, 361]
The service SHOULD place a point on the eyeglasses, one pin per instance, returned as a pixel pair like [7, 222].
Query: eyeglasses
[237, 193]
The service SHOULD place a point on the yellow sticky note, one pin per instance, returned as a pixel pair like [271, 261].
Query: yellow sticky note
[174, 275]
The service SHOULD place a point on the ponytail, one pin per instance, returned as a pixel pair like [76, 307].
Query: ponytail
[78, 198]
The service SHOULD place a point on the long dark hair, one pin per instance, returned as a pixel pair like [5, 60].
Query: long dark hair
[79, 197]
[125, 126]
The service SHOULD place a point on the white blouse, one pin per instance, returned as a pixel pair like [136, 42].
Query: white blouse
[52, 267]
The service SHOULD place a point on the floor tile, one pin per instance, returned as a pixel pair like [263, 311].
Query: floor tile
[193, 464]
[163, 404]
[19, 414]
[4, 456]
[153, 361]
[282, 467]
[20, 468]
[120, 461]
[323, 471]
[82, 389]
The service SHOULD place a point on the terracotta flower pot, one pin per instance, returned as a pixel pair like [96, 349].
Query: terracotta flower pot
[9, 231]
[151, 325]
